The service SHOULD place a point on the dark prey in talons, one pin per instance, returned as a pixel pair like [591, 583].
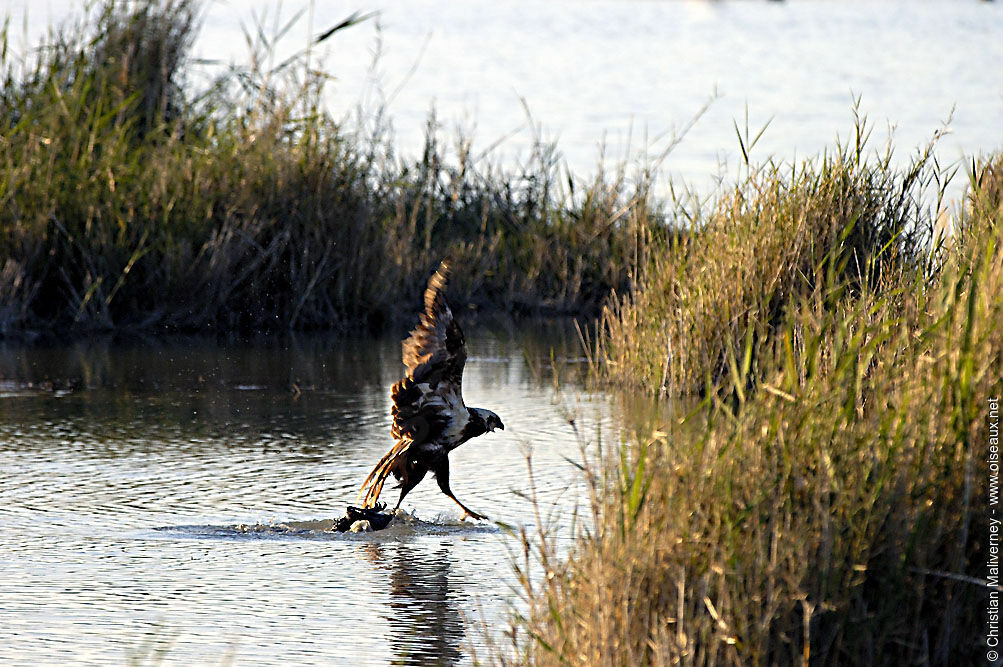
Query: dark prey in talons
[429, 417]
[377, 518]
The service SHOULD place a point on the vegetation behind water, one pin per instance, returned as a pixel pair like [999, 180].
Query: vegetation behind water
[131, 198]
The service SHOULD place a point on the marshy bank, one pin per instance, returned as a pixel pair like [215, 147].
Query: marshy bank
[131, 201]
[826, 501]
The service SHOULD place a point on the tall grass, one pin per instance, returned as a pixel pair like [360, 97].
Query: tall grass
[826, 503]
[716, 296]
[132, 199]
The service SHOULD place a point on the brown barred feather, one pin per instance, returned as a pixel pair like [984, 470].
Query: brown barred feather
[375, 480]
[436, 350]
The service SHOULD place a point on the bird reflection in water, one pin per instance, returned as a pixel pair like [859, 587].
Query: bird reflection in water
[426, 626]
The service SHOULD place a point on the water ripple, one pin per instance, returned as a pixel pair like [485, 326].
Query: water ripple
[195, 519]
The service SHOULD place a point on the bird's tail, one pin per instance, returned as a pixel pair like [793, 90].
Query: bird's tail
[371, 488]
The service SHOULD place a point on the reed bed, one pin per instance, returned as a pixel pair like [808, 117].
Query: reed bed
[825, 503]
[719, 293]
[133, 199]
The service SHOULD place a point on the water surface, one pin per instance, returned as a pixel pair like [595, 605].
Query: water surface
[173, 499]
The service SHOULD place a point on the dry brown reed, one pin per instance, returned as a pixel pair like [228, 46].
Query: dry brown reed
[716, 294]
[825, 505]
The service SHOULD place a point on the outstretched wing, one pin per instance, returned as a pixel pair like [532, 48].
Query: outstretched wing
[430, 395]
[435, 351]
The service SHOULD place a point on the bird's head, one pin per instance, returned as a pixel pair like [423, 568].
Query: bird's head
[491, 420]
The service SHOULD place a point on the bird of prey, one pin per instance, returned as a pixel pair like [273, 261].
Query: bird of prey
[429, 417]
